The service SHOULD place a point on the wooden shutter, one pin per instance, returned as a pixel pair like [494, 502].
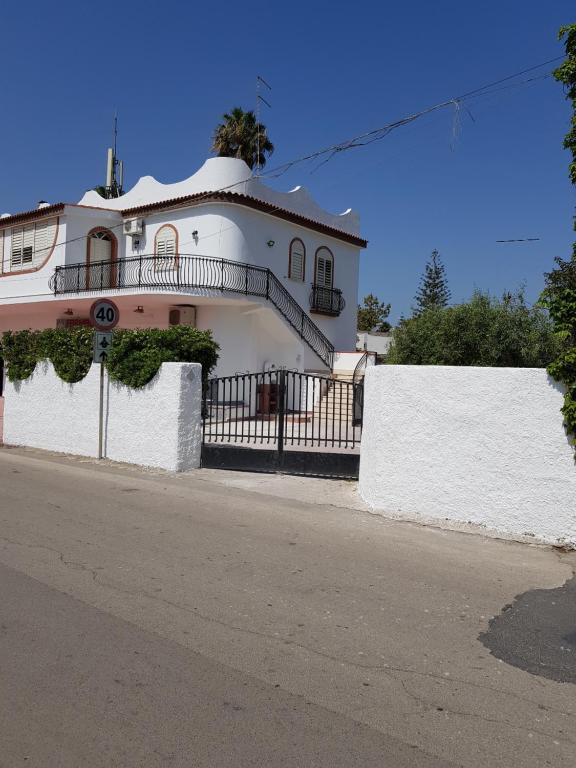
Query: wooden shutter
[165, 248]
[28, 245]
[44, 239]
[324, 268]
[100, 249]
[297, 260]
[16, 250]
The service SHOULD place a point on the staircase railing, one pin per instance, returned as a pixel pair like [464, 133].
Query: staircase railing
[199, 272]
[358, 382]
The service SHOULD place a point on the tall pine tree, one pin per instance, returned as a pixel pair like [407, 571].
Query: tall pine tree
[433, 291]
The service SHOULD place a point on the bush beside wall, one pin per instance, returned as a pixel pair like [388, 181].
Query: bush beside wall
[135, 356]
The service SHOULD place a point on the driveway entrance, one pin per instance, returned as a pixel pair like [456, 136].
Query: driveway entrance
[283, 421]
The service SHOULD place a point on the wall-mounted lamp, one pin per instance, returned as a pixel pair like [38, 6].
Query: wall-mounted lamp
[271, 243]
[195, 233]
[139, 309]
[68, 312]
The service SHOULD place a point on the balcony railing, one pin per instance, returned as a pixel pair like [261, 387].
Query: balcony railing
[327, 301]
[198, 272]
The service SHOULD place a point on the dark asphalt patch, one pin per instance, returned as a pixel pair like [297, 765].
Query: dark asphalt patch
[537, 633]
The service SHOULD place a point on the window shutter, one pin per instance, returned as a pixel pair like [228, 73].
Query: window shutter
[28, 245]
[44, 239]
[16, 251]
[2, 251]
[328, 273]
[324, 268]
[297, 260]
[166, 248]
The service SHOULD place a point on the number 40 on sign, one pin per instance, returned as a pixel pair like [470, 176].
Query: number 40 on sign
[104, 315]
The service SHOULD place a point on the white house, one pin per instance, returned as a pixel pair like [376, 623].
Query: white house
[374, 341]
[273, 275]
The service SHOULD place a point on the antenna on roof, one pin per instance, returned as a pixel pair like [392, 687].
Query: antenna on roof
[259, 81]
[114, 167]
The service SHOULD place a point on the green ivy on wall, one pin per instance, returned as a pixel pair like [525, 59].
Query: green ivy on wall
[560, 292]
[135, 356]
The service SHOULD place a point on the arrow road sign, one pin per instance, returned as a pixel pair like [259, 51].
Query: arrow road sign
[102, 343]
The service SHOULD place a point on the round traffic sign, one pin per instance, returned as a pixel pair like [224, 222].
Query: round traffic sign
[104, 315]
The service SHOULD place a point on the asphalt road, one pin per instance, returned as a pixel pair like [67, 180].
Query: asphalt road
[151, 620]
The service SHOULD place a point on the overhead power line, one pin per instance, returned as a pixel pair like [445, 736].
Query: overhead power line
[520, 240]
[377, 134]
[368, 137]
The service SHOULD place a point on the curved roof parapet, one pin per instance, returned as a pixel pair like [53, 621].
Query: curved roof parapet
[227, 174]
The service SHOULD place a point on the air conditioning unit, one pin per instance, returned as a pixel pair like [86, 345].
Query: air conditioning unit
[182, 316]
[133, 227]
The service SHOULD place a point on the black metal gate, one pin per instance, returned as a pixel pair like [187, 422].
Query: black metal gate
[283, 421]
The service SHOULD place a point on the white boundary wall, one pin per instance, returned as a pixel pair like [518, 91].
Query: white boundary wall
[158, 425]
[469, 445]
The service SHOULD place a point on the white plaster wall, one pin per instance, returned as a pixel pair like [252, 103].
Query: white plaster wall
[240, 234]
[45, 412]
[251, 338]
[79, 221]
[225, 173]
[380, 344]
[15, 286]
[469, 445]
[70, 248]
[158, 425]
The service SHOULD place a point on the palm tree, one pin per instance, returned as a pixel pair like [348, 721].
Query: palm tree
[239, 135]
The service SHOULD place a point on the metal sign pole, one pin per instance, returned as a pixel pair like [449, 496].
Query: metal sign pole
[101, 412]
[104, 316]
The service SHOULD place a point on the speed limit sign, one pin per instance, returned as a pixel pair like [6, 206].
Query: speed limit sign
[104, 315]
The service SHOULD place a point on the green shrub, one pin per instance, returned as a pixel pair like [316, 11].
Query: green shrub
[20, 350]
[483, 331]
[135, 356]
[69, 351]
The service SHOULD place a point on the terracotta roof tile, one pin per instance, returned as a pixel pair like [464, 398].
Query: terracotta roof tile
[249, 202]
[48, 210]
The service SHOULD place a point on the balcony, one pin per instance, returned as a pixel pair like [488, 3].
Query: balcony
[326, 301]
[192, 273]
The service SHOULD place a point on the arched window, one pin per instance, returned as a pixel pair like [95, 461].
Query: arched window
[166, 247]
[101, 259]
[297, 260]
[324, 268]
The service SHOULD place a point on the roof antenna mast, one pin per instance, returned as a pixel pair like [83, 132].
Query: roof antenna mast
[114, 167]
[259, 98]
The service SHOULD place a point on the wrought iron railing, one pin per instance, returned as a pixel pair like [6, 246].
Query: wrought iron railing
[329, 301]
[198, 272]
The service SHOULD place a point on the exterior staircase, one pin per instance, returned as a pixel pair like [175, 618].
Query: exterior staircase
[195, 272]
[337, 401]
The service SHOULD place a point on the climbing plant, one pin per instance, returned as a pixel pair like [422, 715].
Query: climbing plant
[559, 295]
[135, 356]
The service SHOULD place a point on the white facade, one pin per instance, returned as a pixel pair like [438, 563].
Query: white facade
[45, 412]
[379, 343]
[220, 213]
[469, 445]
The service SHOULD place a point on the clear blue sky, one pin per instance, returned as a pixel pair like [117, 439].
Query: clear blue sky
[337, 69]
